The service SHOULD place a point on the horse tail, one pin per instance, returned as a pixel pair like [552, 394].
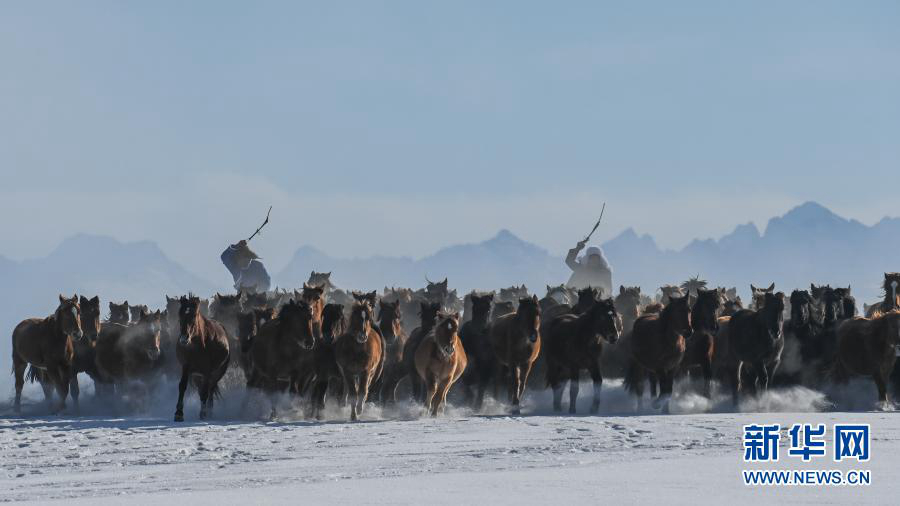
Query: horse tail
[33, 374]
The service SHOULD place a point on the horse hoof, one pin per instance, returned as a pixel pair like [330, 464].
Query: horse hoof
[179, 417]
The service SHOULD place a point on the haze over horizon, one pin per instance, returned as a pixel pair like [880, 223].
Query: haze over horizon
[376, 131]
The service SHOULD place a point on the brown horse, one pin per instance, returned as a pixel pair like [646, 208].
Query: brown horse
[314, 296]
[46, 344]
[281, 349]
[118, 313]
[360, 357]
[702, 343]
[891, 287]
[428, 312]
[390, 323]
[868, 347]
[658, 343]
[758, 296]
[516, 339]
[202, 350]
[575, 342]
[129, 353]
[440, 361]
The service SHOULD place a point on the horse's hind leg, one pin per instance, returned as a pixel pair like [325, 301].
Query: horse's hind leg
[762, 376]
[554, 380]
[19, 367]
[75, 391]
[204, 391]
[60, 378]
[182, 386]
[881, 384]
[597, 379]
[706, 366]
[653, 379]
[736, 383]
[573, 390]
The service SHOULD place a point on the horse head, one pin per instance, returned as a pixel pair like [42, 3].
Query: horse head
[295, 322]
[189, 318]
[528, 316]
[90, 316]
[445, 332]
[332, 321]
[772, 314]
[146, 335]
[118, 313]
[390, 319]
[68, 317]
[360, 321]
[706, 310]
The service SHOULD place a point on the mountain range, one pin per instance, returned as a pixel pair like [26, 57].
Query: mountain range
[808, 243]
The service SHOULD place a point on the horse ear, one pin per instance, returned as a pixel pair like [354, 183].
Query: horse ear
[621, 289]
[752, 288]
[96, 299]
[534, 298]
[771, 288]
[61, 299]
[848, 289]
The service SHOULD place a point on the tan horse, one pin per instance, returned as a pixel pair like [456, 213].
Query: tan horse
[516, 339]
[440, 361]
[359, 356]
[202, 350]
[868, 347]
[46, 344]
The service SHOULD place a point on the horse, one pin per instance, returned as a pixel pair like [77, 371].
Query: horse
[440, 361]
[46, 344]
[758, 296]
[248, 327]
[370, 298]
[391, 329]
[136, 310]
[667, 292]
[225, 310]
[281, 350]
[586, 298]
[804, 331]
[512, 294]
[475, 337]
[575, 342]
[731, 306]
[118, 313]
[315, 297]
[516, 340]
[359, 356]
[428, 312]
[129, 353]
[84, 360]
[868, 347]
[658, 343]
[700, 346]
[891, 301]
[628, 305]
[203, 352]
[334, 324]
[502, 308]
[756, 338]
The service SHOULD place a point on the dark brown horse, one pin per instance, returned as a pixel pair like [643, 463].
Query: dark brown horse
[359, 356]
[586, 298]
[129, 353]
[440, 361]
[202, 350]
[756, 339]
[334, 324]
[314, 296]
[84, 361]
[428, 312]
[118, 313]
[46, 344]
[701, 345]
[136, 310]
[575, 342]
[391, 329]
[516, 339]
[658, 343]
[281, 350]
[249, 324]
[868, 347]
[475, 338]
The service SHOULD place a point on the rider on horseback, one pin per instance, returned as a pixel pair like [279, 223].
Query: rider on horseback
[248, 272]
[592, 269]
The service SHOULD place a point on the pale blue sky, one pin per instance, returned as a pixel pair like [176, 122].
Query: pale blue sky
[443, 122]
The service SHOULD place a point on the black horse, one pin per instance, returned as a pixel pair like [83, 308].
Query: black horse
[756, 339]
[476, 341]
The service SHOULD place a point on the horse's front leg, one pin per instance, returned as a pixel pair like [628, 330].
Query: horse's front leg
[762, 376]
[573, 389]
[736, 383]
[182, 386]
[204, 397]
[74, 390]
[61, 380]
[881, 384]
[554, 380]
[515, 382]
[597, 379]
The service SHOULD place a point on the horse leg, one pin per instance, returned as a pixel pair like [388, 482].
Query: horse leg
[573, 389]
[881, 384]
[47, 387]
[318, 397]
[484, 377]
[557, 386]
[441, 400]
[762, 376]
[515, 382]
[60, 379]
[366, 383]
[352, 387]
[204, 397]
[19, 367]
[74, 391]
[182, 386]
[653, 384]
[736, 383]
[706, 365]
[597, 379]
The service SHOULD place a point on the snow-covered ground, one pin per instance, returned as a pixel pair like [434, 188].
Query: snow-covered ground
[693, 455]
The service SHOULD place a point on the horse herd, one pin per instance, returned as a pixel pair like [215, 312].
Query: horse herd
[322, 341]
